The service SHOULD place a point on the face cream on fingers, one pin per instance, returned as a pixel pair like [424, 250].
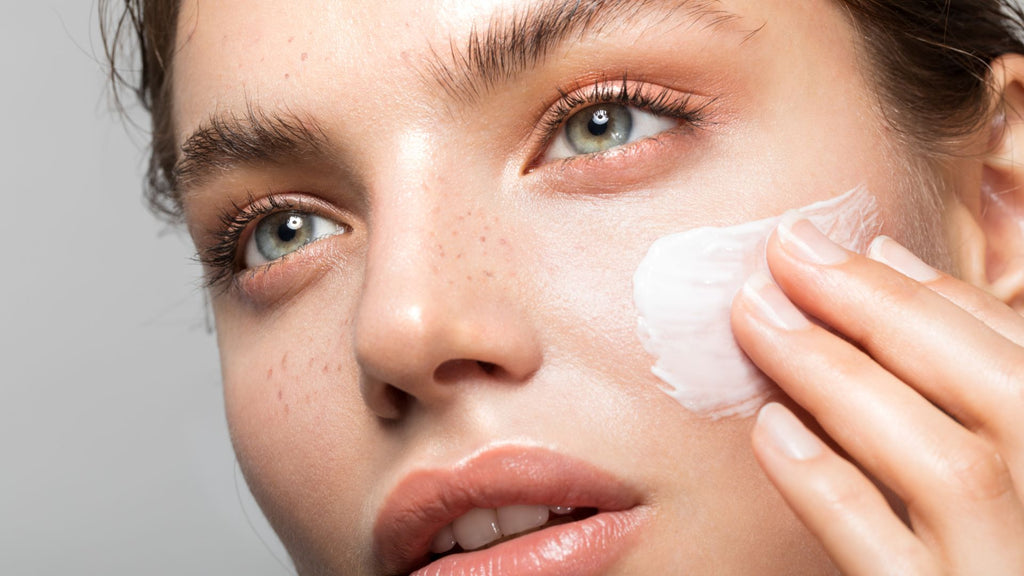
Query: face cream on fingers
[683, 291]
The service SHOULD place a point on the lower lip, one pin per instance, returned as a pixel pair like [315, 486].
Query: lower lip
[583, 548]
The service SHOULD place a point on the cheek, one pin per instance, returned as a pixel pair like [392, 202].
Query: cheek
[295, 417]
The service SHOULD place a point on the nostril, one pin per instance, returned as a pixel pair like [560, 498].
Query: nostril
[397, 399]
[454, 370]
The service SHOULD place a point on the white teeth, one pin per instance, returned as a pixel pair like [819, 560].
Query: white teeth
[516, 519]
[444, 541]
[480, 526]
[476, 528]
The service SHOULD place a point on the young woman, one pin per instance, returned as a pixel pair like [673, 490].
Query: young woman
[421, 220]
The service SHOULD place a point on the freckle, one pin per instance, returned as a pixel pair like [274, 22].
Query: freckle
[469, 278]
[455, 233]
[287, 409]
[280, 394]
[459, 256]
[483, 239]
[326, 368]
[287, 76]
[339, 367]
[503, 242]
[305, 55]
[311, 361]
[284, 361]
[488, 273]
[292, 39]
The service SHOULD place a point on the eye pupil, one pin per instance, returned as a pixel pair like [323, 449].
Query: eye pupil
[599, 122]
[290, 229]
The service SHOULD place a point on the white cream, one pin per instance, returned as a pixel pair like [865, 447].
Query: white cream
[684, 288]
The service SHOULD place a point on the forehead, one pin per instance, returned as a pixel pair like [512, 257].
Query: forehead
[309, 51]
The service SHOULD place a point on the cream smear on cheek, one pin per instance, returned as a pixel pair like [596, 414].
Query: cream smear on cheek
[684, 290]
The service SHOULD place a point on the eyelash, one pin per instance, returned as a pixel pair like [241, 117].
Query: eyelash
[638, 94]
[221, 257]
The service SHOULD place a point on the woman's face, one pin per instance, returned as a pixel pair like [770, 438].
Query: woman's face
[464, 335]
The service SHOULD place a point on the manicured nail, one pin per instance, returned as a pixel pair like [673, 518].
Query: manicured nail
[772, 305]
[891, 253]
[788, 433]
[806, 242]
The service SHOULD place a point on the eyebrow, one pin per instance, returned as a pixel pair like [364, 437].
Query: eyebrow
[511, 44]
[255, 137]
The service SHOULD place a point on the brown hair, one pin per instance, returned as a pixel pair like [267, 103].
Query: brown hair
[930, 59]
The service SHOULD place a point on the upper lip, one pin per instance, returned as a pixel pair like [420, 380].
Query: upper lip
[427, 500]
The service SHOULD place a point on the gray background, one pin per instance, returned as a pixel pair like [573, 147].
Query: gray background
[114, 455]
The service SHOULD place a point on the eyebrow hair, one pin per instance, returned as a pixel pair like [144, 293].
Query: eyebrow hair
[511, 44]
[257, 136]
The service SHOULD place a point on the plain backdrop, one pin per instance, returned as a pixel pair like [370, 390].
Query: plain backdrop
[114, 454]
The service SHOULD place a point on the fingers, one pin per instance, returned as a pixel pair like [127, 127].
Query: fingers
[841, 507]
[982, 305]
[896, 351]
[921, 337]
[947, 475]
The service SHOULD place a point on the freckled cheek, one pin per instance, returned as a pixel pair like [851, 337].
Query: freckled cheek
[291, 413]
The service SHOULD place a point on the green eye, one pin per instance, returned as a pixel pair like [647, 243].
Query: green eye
[602, 127]
[599, 128]
[280, 234]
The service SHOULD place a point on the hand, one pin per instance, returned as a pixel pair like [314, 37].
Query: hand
[920, 382]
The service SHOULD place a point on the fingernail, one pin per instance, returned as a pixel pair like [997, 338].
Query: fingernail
[771, 304]
[891, 253]
[788, 433]
[806, 242]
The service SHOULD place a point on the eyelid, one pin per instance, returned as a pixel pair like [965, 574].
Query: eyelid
[689, 109]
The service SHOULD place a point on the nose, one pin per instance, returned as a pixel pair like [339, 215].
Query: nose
[440, 307]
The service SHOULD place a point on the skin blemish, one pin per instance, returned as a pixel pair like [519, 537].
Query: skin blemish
[305, 56]
[270, 373]
[284, 361]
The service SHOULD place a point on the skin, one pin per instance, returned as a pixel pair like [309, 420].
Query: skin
[458, 255]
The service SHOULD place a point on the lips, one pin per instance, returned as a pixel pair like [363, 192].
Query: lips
[429, 501]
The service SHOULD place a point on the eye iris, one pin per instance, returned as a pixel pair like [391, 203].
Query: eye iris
[281, 234]
[599, 128]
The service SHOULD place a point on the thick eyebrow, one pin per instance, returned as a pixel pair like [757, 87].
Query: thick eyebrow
[255, 137]
[511, 44]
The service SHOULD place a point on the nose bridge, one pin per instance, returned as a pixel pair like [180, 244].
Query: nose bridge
[436, 293]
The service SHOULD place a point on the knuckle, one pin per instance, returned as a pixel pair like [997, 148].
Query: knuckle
[977, 472]
[843, 496]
